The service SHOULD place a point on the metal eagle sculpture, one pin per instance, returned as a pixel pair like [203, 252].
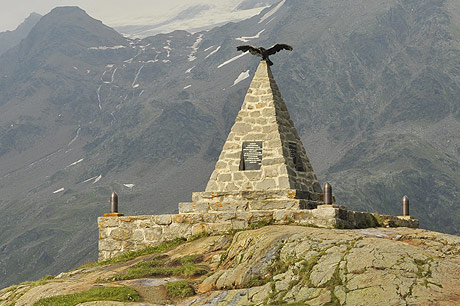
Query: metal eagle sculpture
[264, 53]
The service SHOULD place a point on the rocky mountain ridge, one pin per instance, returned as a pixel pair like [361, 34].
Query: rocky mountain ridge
[271, 265]
[9, 39]
[85, 111]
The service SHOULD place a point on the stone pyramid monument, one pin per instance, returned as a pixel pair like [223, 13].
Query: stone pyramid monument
[263, 157]
[263, 150]
[263, 176]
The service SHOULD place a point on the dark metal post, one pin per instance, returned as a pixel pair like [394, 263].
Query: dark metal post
[405, 206]
[114, 203]
[327, 194]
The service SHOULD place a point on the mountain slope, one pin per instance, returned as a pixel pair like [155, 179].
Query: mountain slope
[371, 88]
[9, 39]
[271, 266]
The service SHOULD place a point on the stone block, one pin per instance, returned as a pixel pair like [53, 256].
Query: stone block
[104, 233]
[261, 121]
[274, 204]
[272, 161]
[283, 216]
[109, 245]
[104, 222]
[192, 218]
[163, 219]
[176, 230]
[142, 224]
[302, 215]
[258, 216]
[266, 184]
[220, 227]
[178, 218]
[253, 175]
[283, 182]
[255, 136]
[245, 216]
[231, 187]
[237, 176]
[270, 171]
[192, 207]
[199, 228]
[224, 216]
[127, 245]
[197, 196]
[229, 206]
[138, 236]
[230, 146]
[121, 234]
[103, 255]
[153, 234]
[224, 177]
[252, 99]
[270, 129]
[232, 154]
[221, 165]
[239, 224]
[247, 186]
[325, 212]
[241, 128]
[209, 218]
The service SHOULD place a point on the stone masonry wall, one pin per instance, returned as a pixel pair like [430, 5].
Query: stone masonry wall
[129, 233]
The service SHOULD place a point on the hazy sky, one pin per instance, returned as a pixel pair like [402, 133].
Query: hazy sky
[13, 12]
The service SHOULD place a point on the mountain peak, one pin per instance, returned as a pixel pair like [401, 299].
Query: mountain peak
[69, 28]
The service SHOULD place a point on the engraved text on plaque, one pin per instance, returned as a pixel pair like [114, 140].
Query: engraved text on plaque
[252, 155]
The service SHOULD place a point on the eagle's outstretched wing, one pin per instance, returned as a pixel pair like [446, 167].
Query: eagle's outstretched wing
[278, 47]
[253, 50]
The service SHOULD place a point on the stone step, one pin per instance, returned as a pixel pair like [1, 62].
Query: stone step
[203, 206]
[256, 195]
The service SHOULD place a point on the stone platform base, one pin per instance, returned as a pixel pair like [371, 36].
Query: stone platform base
[129, 233]
[203, 202]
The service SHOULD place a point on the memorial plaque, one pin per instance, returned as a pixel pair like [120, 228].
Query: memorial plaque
[295, 158]
[293, 152]
[252, 155]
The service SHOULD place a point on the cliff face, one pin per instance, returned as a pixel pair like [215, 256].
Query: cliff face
[278, 265]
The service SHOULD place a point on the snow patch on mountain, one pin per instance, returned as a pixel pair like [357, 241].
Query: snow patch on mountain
[133, 85]
[107, 48]
[213, 52]
[243, 75]
[75, 137]
[232, 59]
[194, 48]
[204, 17]
[59, 190]
[248, 38]
[168, 48]
[75, 163]
[272, 11]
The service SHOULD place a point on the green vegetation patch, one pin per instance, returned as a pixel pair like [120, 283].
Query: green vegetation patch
[179, 289]
[133, 254]
[186, 266]
[120, 294]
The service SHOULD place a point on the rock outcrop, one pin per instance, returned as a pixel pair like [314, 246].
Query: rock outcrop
[286, 264]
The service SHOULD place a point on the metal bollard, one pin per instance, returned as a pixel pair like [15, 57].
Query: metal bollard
[405, 206]
[327, 194]
[114, 203]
